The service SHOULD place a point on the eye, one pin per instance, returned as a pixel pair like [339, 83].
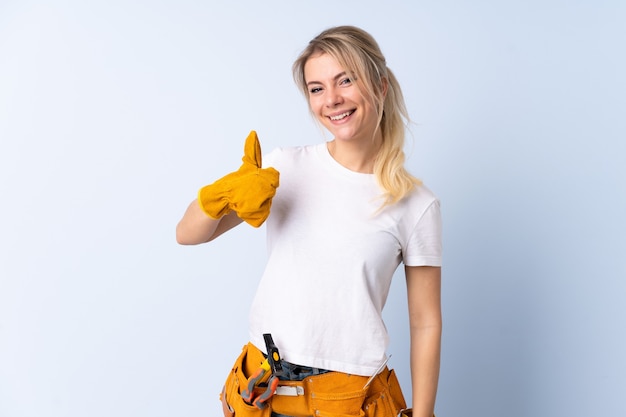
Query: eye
[345, 81]
[315, 90]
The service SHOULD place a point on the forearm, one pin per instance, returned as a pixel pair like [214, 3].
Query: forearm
[196, 227]
[425, 361]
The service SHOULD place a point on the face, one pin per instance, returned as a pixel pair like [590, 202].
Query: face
[337, 102]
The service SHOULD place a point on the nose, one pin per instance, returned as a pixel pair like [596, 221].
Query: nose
[333, 97]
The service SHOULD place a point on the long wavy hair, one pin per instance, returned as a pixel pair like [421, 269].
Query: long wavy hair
[359, 54]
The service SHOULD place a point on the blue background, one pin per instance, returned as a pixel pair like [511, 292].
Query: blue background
[113, 113]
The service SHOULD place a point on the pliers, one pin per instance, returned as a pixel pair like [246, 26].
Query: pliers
[269, 372]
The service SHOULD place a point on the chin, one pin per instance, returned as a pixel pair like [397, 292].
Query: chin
[346, 136]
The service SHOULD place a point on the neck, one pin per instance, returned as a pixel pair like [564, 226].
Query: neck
[355, 156]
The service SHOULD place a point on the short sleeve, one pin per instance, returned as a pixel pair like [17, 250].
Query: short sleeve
[424, 246]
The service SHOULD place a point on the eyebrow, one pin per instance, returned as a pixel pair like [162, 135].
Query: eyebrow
[335, 78]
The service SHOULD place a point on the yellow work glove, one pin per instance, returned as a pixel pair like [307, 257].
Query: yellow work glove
[247, 191]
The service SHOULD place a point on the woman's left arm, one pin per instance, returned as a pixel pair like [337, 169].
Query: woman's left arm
[424, 297]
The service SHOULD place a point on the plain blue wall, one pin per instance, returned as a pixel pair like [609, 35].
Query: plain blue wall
[113, 113]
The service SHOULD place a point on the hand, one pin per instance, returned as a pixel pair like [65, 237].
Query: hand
[247, 191]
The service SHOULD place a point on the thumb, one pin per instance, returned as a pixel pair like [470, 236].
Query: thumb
[252, 151]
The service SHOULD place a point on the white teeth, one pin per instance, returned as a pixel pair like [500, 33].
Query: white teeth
[341, 116]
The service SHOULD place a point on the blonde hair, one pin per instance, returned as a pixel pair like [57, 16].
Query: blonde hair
[358, 53]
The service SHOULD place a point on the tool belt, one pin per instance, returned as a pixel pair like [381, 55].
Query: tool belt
[330, 394]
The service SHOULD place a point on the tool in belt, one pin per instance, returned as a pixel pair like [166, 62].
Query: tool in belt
[266, 376]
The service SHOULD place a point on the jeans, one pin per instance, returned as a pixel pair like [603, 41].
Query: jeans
[293, 372]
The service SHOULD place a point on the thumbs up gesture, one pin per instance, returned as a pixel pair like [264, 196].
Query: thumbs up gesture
[247, 191]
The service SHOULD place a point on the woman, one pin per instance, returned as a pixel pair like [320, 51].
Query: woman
[346, 214]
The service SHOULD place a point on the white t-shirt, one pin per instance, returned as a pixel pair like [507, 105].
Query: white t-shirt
[332, 255]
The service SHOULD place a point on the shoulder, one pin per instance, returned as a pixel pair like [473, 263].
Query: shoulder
[280, 156]
[420, 206]
[421, 196]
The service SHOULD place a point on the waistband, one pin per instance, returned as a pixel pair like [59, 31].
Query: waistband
[295, 372]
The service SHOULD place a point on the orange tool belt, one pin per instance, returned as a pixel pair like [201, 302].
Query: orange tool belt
[331, 394]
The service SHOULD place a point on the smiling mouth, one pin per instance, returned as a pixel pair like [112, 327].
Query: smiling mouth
[341, 116]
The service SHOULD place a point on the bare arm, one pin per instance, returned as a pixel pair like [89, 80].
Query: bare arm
[424, 297]
[196, 227]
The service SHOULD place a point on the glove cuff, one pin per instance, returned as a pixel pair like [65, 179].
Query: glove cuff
[213, 202]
